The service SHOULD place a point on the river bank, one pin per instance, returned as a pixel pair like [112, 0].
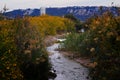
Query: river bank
[50, 40]
[82, 60]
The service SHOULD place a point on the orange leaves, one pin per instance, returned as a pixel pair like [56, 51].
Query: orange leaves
[8, 51]
[49, 25]
[14, 64]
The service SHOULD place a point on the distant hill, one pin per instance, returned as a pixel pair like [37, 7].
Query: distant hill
[81, 13]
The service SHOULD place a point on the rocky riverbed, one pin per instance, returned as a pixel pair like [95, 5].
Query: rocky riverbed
[64, 68]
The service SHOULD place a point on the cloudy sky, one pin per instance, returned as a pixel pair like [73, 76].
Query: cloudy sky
[23, 4]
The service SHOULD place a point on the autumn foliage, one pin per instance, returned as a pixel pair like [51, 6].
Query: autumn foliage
[101, 43]
[22, 47]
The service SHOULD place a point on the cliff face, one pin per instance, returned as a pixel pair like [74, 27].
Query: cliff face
[81, 13]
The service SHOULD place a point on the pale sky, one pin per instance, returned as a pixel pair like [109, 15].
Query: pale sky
[23, 4]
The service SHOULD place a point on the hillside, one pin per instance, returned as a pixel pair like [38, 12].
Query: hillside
[81, 13]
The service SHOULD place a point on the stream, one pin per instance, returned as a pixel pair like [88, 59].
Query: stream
[65, 68]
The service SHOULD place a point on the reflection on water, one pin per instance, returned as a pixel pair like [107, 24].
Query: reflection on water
[65, 68]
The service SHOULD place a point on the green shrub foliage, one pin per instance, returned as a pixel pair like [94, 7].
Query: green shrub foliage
[100, 42]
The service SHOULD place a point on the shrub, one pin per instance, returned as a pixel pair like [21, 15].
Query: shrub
[9, 67]
[22, 51]
[101, 42]
[106, 29]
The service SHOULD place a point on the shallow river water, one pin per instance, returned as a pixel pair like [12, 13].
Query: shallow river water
[65, 68]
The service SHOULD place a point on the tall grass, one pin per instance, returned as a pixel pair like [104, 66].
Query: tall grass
[74, 42]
